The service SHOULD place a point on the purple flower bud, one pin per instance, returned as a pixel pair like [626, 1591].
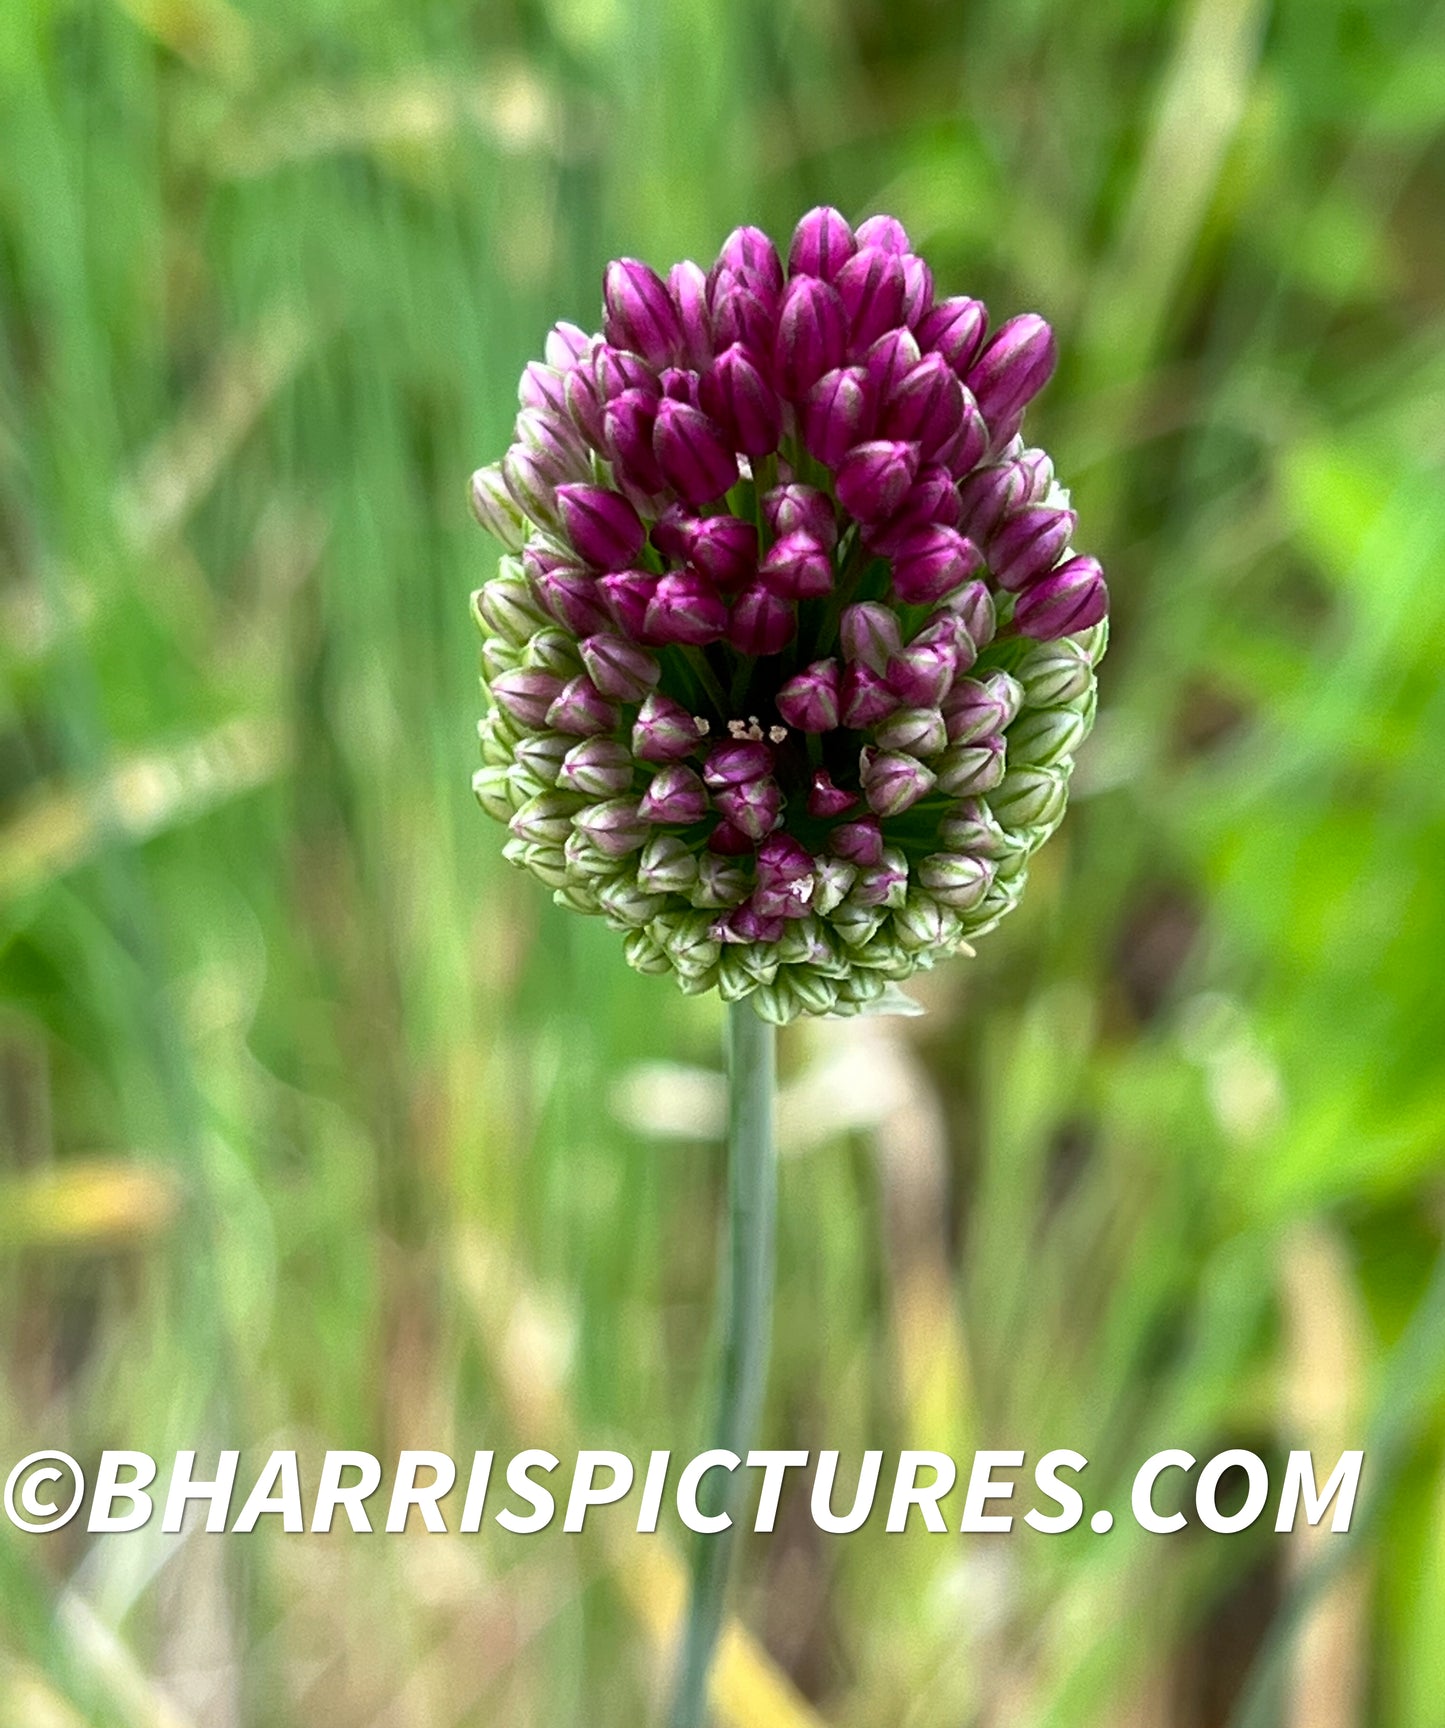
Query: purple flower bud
[584, 404]
[1028, 544]
[822, 244]
[869, 632]
[754, 809]
[787, 508]
[932, 498]
[533, 480]
[724, 549]
[836, 414]
[670, 531]
[988, 495]
[615, 370]
[627, 594]
[555, 440]
[597, 768]
[873, 479]
[675, 796]
[680, 385]
[973, 606]
[736, 763]
[614, 827]
[965, 770]
[750, 250]
[889, 361]
[687, 284]
[972, 827]
[728, 841]
[871, 286]
[812, 334]
[955, 879]
[664, 730]
[1067, 600]
[639, 311]
[812, 700]
[917, 289]
[619, 668]
[543, 387]
[783, 862]
[627, 426]
[918, 731]
[496, 509]
[1013, 368]
[565, 345]
[603, 527]
[867, 696]
[955, 329]
[859, 842]
[742, 313]
[582, 710]
[927, 406]
[748, 924]
[827, 800]
[742, 402]
[885, 232]
[686, 608]
[797, 568]
[884, 883]
[761, 622]
[968, 446]
[1038, 472]
[922, 673]
[572, 597]
[526, 694]
[693, 453]
[972, 710]
[894, 782]
[931, 563]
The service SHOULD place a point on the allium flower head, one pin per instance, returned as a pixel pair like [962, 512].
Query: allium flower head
[791, 650]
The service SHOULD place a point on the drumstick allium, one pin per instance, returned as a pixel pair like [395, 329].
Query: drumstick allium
[788, 659]
[792, 649]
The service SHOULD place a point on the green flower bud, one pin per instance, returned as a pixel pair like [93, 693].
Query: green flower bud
[667, 865]
[492, 786]
[857, 925]
[498, 656]
[546, 819]
[922, 923]
[1043, 738]
[955, 878]
[587, 863]
[1053, 673]
[973, 827]
[833, 882]
[1029, 796]
[643, 954]
[688, 940]
[552, 650]
[506, 607]
[811, 993]
[621, 899]
[720, 882]
[545, 862]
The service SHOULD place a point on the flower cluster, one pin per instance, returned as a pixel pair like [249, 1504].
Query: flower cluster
[791, 653]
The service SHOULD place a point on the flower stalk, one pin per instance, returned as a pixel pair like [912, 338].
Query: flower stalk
[747, 1333]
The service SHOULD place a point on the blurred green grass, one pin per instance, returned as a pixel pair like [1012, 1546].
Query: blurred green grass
[310, 1111]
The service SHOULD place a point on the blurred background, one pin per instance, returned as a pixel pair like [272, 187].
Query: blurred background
[320, 1127]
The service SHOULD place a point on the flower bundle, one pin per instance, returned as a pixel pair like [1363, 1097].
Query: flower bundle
[791, 651]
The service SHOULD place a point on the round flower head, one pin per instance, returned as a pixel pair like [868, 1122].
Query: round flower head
[792, 650]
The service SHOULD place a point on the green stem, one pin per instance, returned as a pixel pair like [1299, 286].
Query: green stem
[752, 1209]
